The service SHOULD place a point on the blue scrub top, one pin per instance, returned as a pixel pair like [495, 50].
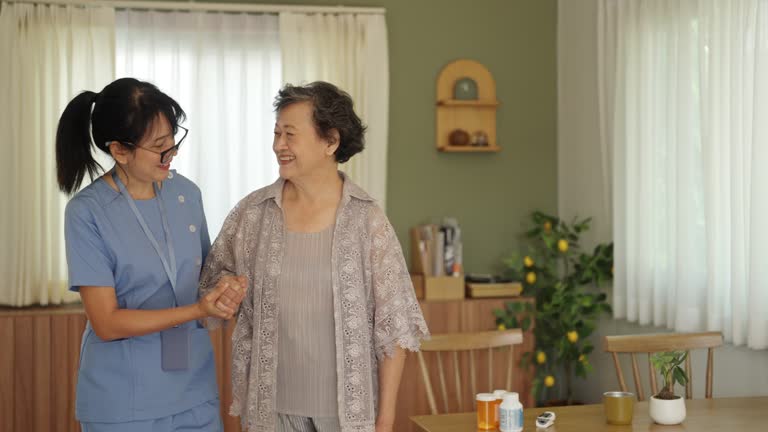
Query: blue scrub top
[122, 380]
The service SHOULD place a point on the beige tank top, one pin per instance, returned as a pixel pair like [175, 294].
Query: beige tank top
[306, 363]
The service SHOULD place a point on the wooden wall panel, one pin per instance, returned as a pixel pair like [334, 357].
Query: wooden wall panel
[76, 328]
[41, 352]
[24, 374]
[62, 372]
[7, 372]
[43, 379]
[38, 368]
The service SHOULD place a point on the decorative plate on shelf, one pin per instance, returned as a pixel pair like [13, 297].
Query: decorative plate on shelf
[465, 89]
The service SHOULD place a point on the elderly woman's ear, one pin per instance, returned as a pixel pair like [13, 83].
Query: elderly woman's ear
[333, 142]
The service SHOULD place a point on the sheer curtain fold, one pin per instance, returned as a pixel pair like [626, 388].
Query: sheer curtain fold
[51, 54]
[350, 51]
[225, 70]
[683, 93]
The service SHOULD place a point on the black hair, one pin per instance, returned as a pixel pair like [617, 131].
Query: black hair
[123, 111]
[332, 108]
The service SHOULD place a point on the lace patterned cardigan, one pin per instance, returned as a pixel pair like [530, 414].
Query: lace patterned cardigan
[375, 308]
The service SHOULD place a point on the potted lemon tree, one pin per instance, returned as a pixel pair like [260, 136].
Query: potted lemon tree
[565, 282]
[665, 407]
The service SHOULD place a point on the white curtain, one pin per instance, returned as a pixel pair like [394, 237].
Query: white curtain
[684, 104]
[51, 53]
[349, 51]
[224, 69]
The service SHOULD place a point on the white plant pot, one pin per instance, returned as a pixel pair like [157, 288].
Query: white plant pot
[667, 412]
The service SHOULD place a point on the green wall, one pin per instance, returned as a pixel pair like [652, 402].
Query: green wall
[491, 194]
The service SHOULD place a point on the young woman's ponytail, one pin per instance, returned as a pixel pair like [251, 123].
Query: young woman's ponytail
[73, 144]
[123, 111]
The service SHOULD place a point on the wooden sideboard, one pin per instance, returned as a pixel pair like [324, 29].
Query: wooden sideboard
[41, 346]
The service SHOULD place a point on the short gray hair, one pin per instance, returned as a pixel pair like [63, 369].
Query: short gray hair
[332, 108]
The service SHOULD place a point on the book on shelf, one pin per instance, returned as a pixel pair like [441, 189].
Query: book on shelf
[436, 249]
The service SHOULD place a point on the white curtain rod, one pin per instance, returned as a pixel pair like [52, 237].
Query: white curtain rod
[210, 7]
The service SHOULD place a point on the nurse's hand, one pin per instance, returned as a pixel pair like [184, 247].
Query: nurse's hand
[213, 305]
[235, 293]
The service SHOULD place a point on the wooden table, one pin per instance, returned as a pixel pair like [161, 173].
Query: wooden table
[704, 415]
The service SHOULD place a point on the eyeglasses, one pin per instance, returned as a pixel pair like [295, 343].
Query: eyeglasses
[165, 155]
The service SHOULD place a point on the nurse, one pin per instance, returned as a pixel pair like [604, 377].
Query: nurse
[136, 238]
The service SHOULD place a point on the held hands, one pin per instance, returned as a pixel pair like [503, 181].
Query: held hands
[232, 297]
[225, 298]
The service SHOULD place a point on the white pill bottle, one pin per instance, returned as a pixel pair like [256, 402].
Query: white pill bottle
[511, 413]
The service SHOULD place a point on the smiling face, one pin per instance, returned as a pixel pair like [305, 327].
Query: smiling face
[143, 162]
[299, 149]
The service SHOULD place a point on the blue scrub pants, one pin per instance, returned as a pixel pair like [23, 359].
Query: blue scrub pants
[202, 418]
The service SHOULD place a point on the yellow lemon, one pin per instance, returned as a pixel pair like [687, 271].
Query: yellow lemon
[501, 327]
[573, 336]
[530, 277]
[582, 358]
[547, 226]
[549, 381]
[528, 261]
[541, 357]
[562, 245]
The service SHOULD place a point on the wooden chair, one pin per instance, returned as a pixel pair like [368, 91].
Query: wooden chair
[466, 342]
[651, 343]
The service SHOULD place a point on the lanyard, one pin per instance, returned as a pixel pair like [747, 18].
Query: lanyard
[170, 269]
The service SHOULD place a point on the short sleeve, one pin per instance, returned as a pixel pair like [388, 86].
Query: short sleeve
[88, 260]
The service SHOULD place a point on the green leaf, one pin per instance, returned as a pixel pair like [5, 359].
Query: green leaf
[680, 376]
[537, 386]
[580, 370]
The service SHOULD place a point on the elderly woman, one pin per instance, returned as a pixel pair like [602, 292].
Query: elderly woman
[321, 336]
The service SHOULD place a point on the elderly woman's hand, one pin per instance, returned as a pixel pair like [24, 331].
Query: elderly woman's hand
[230, 300]
[222, 302]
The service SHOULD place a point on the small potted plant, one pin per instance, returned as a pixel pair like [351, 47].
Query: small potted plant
[665, 407]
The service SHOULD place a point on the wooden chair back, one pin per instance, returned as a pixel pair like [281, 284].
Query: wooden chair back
[651, 343]
[456, 343]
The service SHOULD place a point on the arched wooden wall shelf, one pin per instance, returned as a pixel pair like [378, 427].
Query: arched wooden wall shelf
[473, 111]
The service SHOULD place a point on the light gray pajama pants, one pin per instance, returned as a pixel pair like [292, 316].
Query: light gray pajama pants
[292, 423]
